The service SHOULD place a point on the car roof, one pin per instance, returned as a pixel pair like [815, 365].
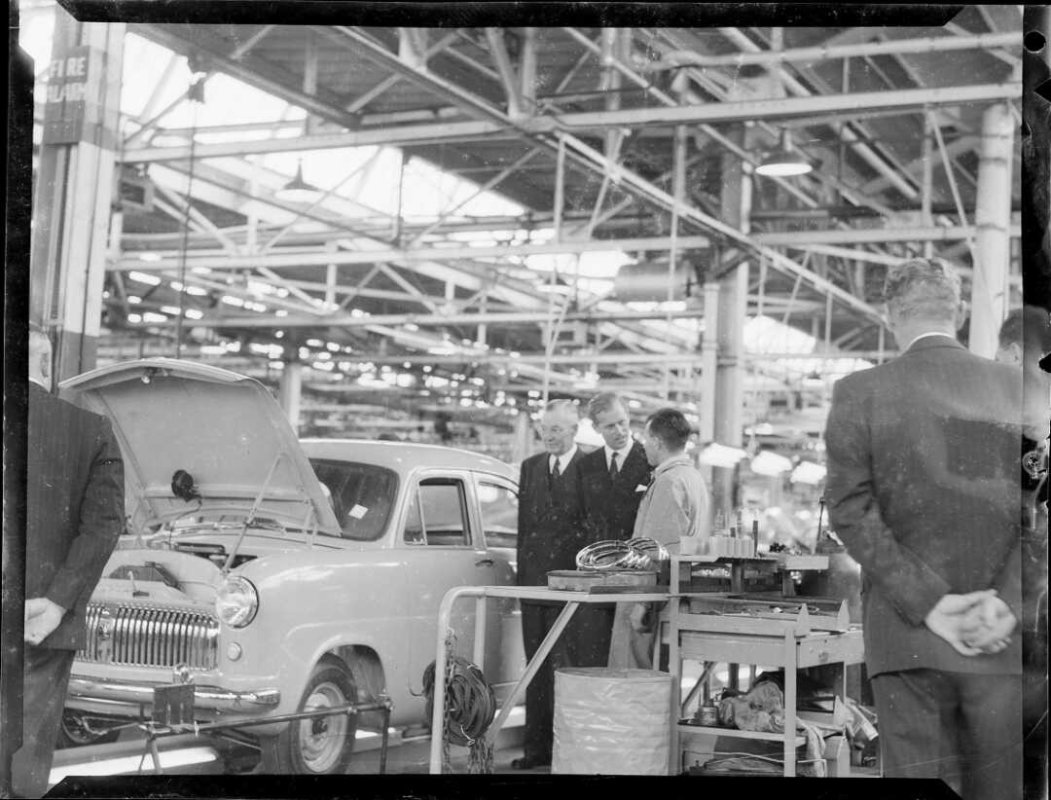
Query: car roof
[404, 456]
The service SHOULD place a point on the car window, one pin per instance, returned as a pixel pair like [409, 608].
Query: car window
[437, 514]
[362, 495]
[499, 507]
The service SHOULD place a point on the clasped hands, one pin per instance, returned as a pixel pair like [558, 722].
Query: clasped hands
[974, 623]
[42, 616]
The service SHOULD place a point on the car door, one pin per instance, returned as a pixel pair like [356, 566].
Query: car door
[497, 505]
[439, 544]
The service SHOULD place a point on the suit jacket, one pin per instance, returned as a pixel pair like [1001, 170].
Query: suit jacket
[923, 489]
[610, 506]
[550, 529]
[75, 507]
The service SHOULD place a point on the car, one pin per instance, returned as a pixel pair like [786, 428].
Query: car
[279, 575]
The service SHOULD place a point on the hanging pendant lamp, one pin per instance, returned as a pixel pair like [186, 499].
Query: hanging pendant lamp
[784, 162]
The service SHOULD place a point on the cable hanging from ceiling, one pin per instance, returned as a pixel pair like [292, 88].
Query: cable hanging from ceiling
[195, 94]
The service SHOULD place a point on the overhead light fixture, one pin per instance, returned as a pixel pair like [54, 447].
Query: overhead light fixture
[297, 190]
[784, 162]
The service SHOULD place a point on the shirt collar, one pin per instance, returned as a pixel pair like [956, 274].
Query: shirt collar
[622, 454]
[38, 382]
[673, 461]
[563, 460]
[928, 334]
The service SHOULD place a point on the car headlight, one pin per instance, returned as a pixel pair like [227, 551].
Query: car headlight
[236, 602]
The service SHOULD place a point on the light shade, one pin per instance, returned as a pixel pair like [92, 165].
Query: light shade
[784, 162]
[298, 190]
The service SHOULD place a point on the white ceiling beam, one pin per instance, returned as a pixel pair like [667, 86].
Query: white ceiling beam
[906, 100]
[277, 259]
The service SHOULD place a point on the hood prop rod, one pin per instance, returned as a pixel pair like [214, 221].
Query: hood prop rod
[250, 519]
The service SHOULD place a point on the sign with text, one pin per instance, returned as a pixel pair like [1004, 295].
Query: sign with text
[72, 84]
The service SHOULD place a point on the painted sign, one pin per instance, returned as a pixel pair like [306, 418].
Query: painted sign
[72, 84]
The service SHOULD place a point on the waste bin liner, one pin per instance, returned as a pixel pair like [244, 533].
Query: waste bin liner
[611, 721]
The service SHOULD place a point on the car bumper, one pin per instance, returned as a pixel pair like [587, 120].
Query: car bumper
[135, 694]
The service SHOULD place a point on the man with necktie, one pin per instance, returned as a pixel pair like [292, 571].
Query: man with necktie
[549, 535]
[613, 480]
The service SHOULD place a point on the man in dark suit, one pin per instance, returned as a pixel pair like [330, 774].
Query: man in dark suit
[1024, 337]
[923, 490]
[75, 513]
[549, 535]
[613, 480]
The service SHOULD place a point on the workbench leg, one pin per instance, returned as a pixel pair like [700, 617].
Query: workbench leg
[532, 668]
[384, 742]
[155, 755]
[790, 704]
[480, 607]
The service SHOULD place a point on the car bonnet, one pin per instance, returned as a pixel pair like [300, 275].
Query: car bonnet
[224, 429]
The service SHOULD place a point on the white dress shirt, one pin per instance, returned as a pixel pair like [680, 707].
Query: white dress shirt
[930, 333]
[622, 454]
[563, 461]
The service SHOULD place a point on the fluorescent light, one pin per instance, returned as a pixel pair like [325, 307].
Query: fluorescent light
[142, 277]
[149, 257]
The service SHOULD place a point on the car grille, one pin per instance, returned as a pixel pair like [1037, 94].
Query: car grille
[150, 636]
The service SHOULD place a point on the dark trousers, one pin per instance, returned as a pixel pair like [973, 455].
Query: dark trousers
[43, 698]
[584, 643]
[962, 728]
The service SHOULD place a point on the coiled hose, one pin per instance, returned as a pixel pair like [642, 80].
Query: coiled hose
[470, 704]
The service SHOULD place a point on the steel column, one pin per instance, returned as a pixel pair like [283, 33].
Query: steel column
[73, 197]
[992, 217]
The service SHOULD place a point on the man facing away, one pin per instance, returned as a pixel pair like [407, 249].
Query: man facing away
[674, 505]
[923, 490]
[613, 479]
[549, 535]
[75, 514]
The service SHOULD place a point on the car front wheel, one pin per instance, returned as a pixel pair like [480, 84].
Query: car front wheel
[320, 745]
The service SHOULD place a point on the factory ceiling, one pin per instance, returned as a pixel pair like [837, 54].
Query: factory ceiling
[639, 140]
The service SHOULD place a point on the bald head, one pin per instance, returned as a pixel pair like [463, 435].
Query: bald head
[39, 357]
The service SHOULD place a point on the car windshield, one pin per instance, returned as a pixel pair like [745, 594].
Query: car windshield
[362, 495]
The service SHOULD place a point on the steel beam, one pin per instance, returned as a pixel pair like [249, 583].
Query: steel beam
[428, 254]
[940, 44]
[802, 239]
[436, 319]
[904, 100]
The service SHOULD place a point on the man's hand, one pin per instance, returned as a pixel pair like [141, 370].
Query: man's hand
[952, 620]
[639, 617]
[989, 626]
[42, 616]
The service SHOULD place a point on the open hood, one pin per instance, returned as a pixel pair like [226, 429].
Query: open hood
[223, 429]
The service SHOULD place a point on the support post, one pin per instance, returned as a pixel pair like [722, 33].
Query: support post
[74, 188]
[733, 310]
[291, 391]
[989, 289]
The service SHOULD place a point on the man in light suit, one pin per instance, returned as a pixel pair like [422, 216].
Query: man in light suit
[613, 480]
[923, 490]
[549, 535]
[75, 514]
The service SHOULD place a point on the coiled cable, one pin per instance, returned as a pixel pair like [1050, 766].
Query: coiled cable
[470, 704]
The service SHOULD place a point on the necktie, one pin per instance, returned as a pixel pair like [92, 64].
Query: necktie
[554, 470]
[613, 467]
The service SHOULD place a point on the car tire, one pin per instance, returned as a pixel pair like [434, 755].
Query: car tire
[73, 731]
[321, 745]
